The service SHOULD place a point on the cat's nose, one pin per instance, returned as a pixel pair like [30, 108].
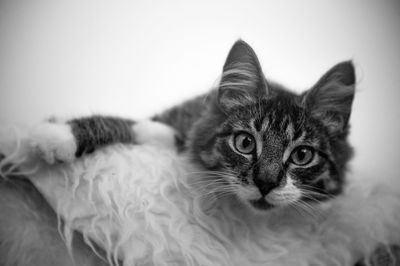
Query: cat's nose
[265, 186]
[268, 177]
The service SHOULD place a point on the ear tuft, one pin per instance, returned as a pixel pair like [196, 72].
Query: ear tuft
[330, 99]
[342, 73]
[241, 52]
[242, 79]
[347, 74]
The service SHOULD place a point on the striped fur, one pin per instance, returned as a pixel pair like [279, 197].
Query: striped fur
[279, 122]
[92, 132]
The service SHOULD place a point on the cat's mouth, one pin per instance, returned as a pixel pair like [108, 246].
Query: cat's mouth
[261, 204]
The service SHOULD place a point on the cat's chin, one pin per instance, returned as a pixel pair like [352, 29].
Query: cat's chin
[261, 204]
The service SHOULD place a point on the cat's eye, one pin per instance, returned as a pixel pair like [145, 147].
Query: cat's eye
[244, 143]
[302, 155]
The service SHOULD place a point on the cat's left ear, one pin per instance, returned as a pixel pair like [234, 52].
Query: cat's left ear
[242, 82]
[331, 98]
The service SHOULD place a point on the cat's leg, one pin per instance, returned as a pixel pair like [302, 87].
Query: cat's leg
[65, 141]
[53, 142]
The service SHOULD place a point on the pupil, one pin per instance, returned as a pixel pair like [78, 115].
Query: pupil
[246, 142]
[302, 154]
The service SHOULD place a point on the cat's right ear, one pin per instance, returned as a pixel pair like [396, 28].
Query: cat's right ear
[330, 100]
[242, 82]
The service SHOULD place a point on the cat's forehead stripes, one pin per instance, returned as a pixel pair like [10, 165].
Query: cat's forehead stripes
[257, 136]
[261, 123]
[292, 145]
[289, 128]
[240, 125]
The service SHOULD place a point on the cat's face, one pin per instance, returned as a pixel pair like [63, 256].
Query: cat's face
[270, 147]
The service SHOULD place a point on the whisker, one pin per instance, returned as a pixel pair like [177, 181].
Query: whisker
[314, 189]
[226, 171]
[298, 209]
[317, 212]
[307, 209]
[211, 183]
[216, 195]
[312, 199]
[310, 190]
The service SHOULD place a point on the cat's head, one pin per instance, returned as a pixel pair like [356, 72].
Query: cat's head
[271, 147]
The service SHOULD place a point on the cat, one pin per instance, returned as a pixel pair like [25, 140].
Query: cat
[271, 146]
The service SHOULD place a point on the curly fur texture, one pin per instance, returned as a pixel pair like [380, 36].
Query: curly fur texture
[146, 205]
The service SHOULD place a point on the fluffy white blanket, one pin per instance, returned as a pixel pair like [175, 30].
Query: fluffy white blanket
[147, 205]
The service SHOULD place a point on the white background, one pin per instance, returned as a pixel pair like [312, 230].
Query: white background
[135, 58]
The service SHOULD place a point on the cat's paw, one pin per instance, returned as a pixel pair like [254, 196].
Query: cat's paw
[53, 142]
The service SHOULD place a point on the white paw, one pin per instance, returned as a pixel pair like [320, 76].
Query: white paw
[151, 132]
[53, 142]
